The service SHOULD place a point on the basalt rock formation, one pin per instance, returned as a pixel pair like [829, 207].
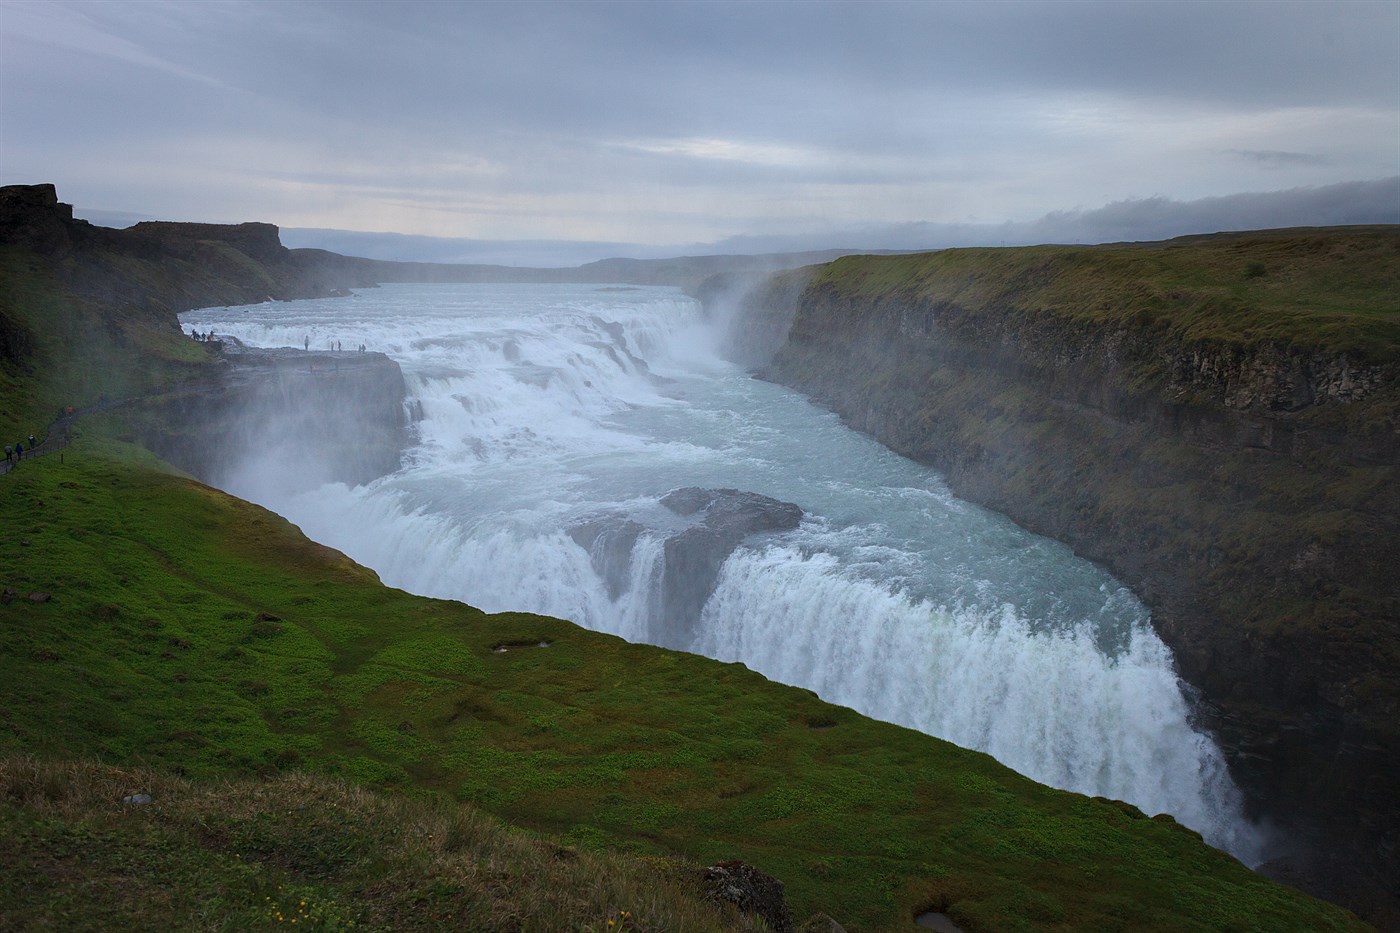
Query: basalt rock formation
[700, 529]
[166, 268]
[290, 419]
[720, 520]
[1217, 421]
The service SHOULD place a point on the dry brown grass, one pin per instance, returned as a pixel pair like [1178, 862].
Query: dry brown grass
[229, 854]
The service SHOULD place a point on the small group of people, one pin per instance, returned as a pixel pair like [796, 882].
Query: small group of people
[202, 338]
[335, 346]
[15, 453]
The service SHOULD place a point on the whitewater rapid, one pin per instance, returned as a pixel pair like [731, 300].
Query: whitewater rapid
[539, 408]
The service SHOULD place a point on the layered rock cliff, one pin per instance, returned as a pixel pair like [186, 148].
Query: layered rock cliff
[162, 269]
[283, 419]
[1214, 420]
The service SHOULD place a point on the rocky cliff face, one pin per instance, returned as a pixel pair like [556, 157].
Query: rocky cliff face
[1245, 486]
[711, 524]
[159, 269]
[106, 303]
[283, 420]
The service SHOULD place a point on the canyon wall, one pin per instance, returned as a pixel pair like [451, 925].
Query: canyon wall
[1214, 420]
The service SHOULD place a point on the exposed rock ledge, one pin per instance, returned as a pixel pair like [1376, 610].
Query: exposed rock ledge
[311, 418]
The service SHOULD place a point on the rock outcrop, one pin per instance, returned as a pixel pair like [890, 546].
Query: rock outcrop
[708, 525]
[720, 521]
[751, 890]
[163, 269]
[283, 419]
[1237, 469]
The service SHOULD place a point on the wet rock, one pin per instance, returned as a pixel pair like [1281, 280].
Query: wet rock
[289, 418]
[707, 525]
[609, 541]
[933, 920]
[751, 890]
[723, 519]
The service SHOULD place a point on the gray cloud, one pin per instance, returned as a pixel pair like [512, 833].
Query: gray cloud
[672, 122]
[1145, 219]
[1275, 157]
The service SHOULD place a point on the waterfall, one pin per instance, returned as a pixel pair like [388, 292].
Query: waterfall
[557, 419]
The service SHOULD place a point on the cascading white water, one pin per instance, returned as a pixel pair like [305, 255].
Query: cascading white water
[545, 408]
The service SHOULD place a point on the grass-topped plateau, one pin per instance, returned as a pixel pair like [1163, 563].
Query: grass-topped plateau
[1217, 420]
[1328, 291]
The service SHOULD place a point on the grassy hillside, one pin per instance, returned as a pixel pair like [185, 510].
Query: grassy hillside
[196, 634]
[62, 349]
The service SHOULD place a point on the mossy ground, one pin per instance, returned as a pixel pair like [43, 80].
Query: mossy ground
[196, 634]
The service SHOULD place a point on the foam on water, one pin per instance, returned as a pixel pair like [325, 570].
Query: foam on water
[547, 406]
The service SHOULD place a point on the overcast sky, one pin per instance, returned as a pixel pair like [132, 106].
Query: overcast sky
[676, 123]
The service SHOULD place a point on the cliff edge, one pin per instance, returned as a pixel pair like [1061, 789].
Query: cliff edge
[1215, 419]
[89, 314]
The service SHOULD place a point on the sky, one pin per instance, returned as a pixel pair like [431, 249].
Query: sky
[745, 126]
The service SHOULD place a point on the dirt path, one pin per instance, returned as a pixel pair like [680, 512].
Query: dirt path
[55, 438]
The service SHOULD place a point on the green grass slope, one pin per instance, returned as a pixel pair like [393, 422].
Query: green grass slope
[190, 632]
[62, 349]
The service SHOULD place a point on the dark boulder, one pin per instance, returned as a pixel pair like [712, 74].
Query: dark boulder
[708, 525]
[723, 518]
[750, 890]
